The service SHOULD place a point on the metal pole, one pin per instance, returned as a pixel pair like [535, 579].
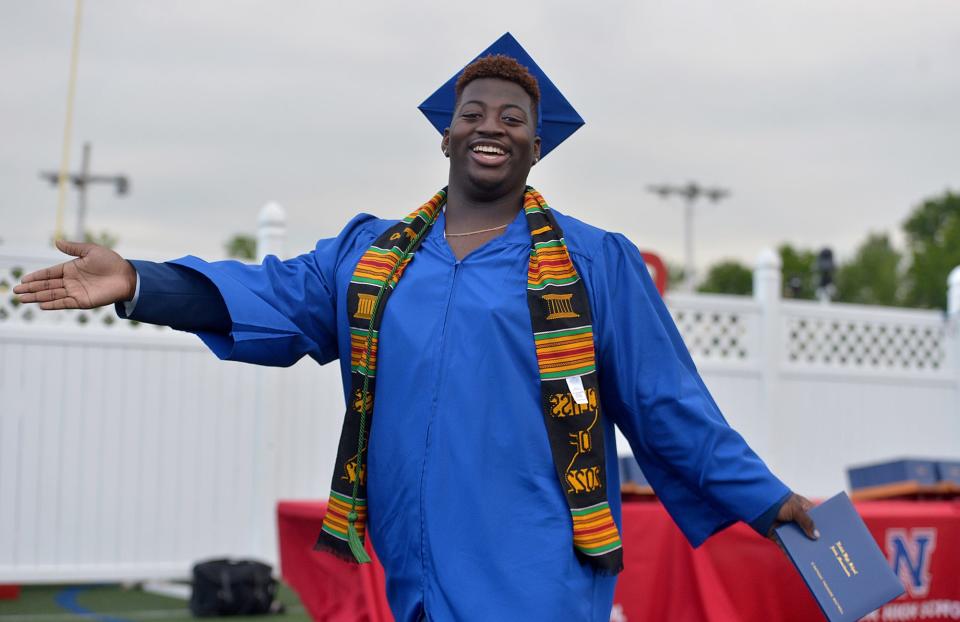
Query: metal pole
[68, 126]
[81, 182]
[691, 192]
[689, 278]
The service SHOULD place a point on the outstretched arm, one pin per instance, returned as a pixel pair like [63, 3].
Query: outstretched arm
[97, 277]
[269, 314]
[269, 323]
[262, 329]
[703, 470]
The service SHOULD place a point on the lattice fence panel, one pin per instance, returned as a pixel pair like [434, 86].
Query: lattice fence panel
[12, 311]
[870, 344]
[713, 335]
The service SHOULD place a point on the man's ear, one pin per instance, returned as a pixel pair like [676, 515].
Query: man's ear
[445, 142]
[536, 150]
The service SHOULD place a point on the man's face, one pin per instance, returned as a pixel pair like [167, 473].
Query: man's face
[492, 141]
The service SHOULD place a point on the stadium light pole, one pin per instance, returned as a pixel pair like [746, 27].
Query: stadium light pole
[83, 179]
[690, 192]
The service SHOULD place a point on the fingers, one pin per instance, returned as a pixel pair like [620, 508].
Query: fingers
[35, 287]
[795, 510]
[53, 272]
[806, 523]
[77, 249]
[804, 520]
[46, 295]
[50, 293]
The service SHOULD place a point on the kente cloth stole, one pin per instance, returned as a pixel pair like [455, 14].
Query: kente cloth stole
[570, 394]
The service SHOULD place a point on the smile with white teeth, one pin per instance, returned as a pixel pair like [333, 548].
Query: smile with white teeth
[489, 149]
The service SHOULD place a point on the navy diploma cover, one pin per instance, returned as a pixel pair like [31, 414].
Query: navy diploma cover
[844, 569]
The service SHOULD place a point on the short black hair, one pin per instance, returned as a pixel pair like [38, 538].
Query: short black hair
[503, 68]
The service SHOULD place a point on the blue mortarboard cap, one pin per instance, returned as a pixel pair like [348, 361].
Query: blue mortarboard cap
[556, 118]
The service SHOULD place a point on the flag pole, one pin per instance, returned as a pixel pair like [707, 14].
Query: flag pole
[68, 125]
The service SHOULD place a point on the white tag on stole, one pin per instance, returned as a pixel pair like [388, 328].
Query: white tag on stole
[575, 384]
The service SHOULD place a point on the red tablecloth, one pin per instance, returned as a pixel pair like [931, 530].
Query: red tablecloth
[736, 575]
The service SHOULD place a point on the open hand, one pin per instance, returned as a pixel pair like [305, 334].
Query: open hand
[98, 276]
[795, 510]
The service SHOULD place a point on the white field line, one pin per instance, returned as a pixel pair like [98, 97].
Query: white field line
[158, 614]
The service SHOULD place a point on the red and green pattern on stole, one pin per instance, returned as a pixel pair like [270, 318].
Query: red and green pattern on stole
[375, 276]
[563, 341]
[563, 338]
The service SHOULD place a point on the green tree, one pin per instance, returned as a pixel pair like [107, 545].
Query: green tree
[675, 275]
[103, 238]
[933, 243]
[872, 276]
[728, 277]
[242, 246]
[798, 267]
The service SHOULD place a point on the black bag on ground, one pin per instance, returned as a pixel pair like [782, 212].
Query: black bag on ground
[224, 587]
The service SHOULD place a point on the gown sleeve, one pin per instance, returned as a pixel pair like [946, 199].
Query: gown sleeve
[279, 311]
[702, 470]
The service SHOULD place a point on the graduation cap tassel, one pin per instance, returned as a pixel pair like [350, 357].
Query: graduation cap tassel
[353, 540]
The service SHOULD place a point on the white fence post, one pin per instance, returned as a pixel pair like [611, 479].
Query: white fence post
[271, 231]
[767, 284]
[953, 293]
[953, 327]
[271, 240]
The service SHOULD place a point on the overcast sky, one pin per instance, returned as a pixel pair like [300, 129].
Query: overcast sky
[826, 118]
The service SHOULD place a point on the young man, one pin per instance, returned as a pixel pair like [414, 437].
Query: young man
[497, 342]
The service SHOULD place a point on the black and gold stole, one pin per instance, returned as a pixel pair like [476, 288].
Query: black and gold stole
[563, 337]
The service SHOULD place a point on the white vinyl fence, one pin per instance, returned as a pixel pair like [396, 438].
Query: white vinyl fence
[817, 387]
[128, 451]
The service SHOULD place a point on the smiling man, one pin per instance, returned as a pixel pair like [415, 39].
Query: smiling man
[488, 346]
[491, 143]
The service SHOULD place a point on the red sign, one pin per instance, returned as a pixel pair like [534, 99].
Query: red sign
[658, 270]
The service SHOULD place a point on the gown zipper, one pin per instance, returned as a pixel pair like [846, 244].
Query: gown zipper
[433, 411]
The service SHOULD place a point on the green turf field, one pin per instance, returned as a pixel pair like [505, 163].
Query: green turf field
[113, 603]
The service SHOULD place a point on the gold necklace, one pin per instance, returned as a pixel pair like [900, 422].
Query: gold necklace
[460, 235]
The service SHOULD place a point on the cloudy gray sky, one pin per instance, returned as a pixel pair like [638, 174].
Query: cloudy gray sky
[826, 118]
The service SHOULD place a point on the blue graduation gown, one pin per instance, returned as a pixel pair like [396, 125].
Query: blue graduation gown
[466, 511]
